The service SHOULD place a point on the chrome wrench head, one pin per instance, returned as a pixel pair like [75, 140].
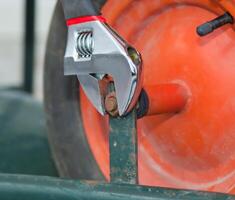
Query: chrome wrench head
[93, 51]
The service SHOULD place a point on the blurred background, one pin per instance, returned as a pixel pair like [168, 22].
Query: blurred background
[24, 26]
[16, 20]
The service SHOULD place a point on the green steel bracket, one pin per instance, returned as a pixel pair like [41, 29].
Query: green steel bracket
[123, 149]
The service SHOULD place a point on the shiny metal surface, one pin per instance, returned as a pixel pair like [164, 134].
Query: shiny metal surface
[85, 44]
[109, 55]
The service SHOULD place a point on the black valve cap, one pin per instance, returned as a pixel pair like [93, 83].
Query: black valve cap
[204, 29]
[210, 26]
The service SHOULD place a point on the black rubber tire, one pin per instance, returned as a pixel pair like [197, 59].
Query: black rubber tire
[68, 142]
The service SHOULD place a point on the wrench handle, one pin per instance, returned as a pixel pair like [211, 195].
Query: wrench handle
[81, 8]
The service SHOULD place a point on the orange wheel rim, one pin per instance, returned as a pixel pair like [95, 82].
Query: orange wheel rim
[193, 149]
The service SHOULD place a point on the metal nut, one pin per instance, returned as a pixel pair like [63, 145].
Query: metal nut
[111, 105]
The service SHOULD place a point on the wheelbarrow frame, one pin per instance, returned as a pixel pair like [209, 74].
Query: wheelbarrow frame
[124, 177]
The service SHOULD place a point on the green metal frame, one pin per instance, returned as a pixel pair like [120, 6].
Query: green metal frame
[29, 45]
[123, 165]
[123, 151]
[15, 187]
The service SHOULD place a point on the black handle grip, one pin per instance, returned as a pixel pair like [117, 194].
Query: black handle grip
[79, 8]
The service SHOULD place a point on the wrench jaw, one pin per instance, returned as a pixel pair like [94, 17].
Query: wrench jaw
[110, 55]
[128, 85]
[94, 91]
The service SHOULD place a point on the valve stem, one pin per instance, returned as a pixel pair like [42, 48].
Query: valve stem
[210, 26]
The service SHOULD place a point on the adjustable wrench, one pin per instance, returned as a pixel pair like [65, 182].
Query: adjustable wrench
[94, 51]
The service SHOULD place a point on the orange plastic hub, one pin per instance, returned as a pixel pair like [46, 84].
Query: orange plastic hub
[166, 98]
[195, 148]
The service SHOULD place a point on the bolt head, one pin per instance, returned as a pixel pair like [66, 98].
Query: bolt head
[111, 105]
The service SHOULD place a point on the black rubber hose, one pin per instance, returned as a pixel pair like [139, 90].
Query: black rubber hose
[79, 8]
